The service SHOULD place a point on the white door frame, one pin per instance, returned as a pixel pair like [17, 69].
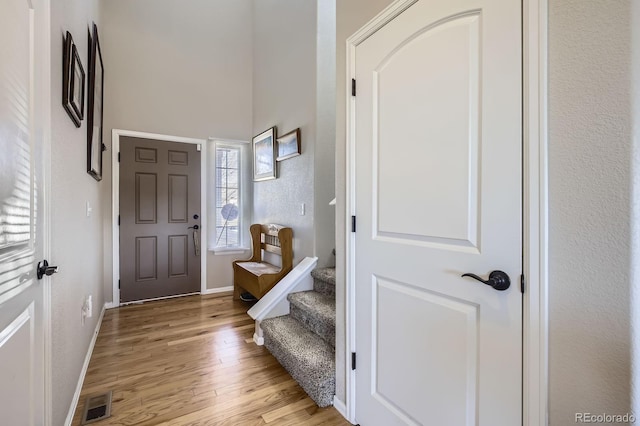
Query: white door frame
[44, 56]
[534, 209]
[115, 202]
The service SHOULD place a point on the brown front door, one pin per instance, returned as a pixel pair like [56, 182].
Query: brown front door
[159, 206]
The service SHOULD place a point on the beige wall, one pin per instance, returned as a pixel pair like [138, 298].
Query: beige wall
[590, 145]
[350, 16]
[179, 68]
[324, 156]
[635, 234]
[76, 239]
[284, 95]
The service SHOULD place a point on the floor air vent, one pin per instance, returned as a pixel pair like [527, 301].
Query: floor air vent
[96, 408]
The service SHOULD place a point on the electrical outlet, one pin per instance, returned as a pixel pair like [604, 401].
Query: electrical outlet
[302, 208]
[89, 307]
[89, 209]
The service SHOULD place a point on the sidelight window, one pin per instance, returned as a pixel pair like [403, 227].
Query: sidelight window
[228, 206]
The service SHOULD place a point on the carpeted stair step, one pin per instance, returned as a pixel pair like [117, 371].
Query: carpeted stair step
[317, 312]
[308, 358]
[324, 280]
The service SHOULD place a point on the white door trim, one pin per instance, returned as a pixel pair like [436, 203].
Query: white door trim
[115, 202]
[535, 213]
[44, 56]
[535, 207]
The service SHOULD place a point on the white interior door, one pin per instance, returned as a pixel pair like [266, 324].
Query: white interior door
[437, 195]
[24, 74]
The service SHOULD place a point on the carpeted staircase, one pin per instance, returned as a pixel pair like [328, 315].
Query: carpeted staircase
[304, 341]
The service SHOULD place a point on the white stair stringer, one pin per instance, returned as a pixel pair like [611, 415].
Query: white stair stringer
[275, 303]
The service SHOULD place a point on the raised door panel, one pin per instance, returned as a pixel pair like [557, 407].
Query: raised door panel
[178, 198]
[178, 256]
[146, 198]
[146, 155]
[17, 357]
[419, 148]
[16, 144]
[178, 158]
[146, 258]
[434, 331]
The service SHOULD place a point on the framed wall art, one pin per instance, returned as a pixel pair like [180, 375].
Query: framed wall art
[288, 145]
[73, 81]
[95, 102]
[264, 159]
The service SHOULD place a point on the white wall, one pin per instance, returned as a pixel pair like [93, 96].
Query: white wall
[178, 68]
[590, 123]
[76, 238]
[350, 16]
[284, 95]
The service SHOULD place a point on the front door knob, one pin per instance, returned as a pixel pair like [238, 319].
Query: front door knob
[497, 279]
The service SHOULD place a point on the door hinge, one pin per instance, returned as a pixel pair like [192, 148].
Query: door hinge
[522, 283]
[353, 224]
[353, 360]
[353, 87]
[118, 157]
[118, 284]
[118, 220]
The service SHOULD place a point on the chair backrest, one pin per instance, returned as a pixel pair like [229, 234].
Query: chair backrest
[272, 238]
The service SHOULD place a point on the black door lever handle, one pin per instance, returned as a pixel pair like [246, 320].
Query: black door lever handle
[45, 269]
[497, 279]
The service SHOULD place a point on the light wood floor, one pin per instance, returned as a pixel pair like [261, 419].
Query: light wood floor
[192, 361]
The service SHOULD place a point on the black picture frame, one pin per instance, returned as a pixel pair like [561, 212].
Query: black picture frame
[264, 155]
[289, 145]
[95, 145]
[73, 81]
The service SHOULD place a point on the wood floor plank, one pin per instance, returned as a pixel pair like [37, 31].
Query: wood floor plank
[192, 361]
[286, 410]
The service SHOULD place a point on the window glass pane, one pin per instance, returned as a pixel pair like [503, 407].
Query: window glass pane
[228, 231]
[232, 178]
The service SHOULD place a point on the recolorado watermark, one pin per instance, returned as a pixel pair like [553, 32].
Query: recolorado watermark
[627, 418]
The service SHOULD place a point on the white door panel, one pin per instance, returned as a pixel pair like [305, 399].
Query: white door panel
[448, 132]
[438, 194]
[24, 81]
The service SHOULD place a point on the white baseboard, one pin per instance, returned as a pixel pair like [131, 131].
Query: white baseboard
[340, 407]
[217, 290]
[83, 372]
[111, 305]
[258, 340]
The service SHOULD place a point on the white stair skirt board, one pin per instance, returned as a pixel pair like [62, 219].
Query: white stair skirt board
[275, 303]
[341, 407]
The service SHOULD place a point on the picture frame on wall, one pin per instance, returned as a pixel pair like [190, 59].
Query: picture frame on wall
[288, 145]
[73, 81]
[264, 158]
[95, 146]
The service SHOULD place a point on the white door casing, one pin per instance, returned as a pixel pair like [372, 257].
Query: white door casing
[437, 121]
[24, 230]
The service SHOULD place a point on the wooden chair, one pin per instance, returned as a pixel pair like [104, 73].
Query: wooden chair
[256, 275]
